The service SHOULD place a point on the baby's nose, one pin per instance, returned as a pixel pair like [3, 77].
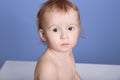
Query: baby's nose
[64, 34]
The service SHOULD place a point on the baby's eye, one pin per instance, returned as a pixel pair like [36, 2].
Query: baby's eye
[55, 30]
[70, 28]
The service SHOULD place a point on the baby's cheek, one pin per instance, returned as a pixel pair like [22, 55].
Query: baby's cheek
[74, 39]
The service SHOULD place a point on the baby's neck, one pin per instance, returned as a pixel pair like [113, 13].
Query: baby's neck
[60, 55]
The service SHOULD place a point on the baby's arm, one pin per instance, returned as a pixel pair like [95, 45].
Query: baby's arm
[77, 77]
[47, 71]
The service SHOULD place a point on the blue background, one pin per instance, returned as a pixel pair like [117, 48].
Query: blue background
[19, 39]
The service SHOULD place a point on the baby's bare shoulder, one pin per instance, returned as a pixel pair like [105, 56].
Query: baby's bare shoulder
[43, 63]
[47, 70]
[46, 61]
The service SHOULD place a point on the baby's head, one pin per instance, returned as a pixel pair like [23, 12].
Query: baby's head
[54, 8]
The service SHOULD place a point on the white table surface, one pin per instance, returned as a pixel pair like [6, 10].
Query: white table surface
[24, 70]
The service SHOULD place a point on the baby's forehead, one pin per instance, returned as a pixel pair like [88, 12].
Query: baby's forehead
[56, 14]
[60, 17]
[60, 14]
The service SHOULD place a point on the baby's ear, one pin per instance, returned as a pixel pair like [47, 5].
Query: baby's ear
[42, 34]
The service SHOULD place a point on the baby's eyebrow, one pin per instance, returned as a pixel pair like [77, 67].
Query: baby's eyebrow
[53, 25]
[73, 25]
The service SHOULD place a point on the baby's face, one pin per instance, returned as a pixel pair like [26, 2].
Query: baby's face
[61, 29]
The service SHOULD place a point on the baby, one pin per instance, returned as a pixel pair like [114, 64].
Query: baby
[59, 27]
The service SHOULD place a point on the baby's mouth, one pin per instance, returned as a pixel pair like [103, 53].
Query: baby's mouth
[65, 44]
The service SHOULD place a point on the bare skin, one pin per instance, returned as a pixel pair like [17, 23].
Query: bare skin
[61, 32]
[54, 66]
